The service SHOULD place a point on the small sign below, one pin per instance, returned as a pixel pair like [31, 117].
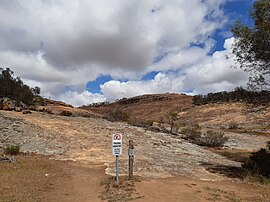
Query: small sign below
[117, 144]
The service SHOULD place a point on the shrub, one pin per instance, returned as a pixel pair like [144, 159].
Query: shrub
[258, 163]
[212, 139]
[117, 115]
[66, 113]
[192, 133]
[12, 149]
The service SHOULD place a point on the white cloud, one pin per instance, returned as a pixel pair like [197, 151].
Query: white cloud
[61, 45]
[162, 83]
[79, 99]
[210, 74]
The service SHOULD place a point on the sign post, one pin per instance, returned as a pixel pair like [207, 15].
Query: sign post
[130, 159]
[116, 150]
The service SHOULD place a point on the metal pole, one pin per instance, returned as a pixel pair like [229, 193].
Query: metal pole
[116, 163]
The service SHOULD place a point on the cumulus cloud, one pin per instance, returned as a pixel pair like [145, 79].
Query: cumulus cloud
[61, 45]
[79, 99]
[210, 74]
[162, 83]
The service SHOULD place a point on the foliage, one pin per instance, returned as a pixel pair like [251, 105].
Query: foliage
[12, 149]
[35, 91]
[14, 88]
[117, 115]
[252, 45]
[238, 95]
[192, 133]
[259, 162]
[210, 138]
[213, 139]
[65, 113]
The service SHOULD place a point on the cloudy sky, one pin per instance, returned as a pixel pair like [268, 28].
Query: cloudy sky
[88, 51]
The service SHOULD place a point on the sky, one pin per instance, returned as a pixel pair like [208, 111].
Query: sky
[88, 51]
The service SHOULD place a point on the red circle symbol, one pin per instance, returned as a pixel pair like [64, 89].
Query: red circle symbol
[117, 137]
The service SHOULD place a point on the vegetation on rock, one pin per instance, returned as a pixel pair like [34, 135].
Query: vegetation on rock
[12, 149]
[259, 162]
[238, 95]
[15, 89]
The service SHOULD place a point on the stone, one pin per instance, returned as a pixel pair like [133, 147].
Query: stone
[22, 105]
[27, 112]
[18, 109]
[7, 104]
[40, 108]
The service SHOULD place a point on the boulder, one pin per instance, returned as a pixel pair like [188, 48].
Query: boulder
[27, 112]
[18, 109]
[22, 105]
[40, 108]
[32, 107]
[7, 104]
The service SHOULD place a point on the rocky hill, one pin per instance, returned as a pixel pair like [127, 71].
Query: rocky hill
[158, 107]
[152, 107]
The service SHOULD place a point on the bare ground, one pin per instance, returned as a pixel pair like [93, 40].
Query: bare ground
[170, 168]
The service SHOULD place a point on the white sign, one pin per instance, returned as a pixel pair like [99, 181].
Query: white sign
[117, 144]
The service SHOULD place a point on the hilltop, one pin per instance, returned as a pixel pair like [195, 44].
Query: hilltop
[151, 107]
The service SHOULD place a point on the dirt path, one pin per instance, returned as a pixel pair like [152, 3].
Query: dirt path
[83, 185]
[190, 190]
[39, 179]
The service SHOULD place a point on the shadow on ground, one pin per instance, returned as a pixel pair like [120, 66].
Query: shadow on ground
[226, 170]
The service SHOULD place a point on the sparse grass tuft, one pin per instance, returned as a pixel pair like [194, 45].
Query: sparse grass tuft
[123, 191]
[12, 149]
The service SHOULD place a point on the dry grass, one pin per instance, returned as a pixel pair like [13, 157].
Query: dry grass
[123, 191]
[27, 179]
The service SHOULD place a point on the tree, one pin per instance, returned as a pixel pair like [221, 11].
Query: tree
[252, 45]
[14, 88]
[172, 118]
[36, 90]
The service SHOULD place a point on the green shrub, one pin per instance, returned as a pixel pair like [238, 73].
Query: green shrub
[258, 163]
[66, 113]
[212, 139]
[12, 149]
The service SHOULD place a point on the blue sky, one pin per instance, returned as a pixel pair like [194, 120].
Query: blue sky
[90, 51]
[235, 10]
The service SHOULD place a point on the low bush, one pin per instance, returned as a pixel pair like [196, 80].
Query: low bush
[213, 139]
[192, 133]
[66, 113]
[258, 163]
[117, 115]
[12, 149]
[210, 138]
